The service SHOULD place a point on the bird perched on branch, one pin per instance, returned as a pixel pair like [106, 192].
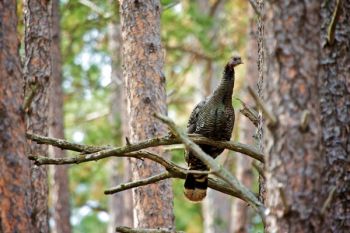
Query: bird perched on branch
[213, 118]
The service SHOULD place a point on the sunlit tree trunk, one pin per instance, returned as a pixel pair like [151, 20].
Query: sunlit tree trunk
[14, 165]
[60, 187]
[37, 72]
[308, 162]
[120, 204]
[145, 86]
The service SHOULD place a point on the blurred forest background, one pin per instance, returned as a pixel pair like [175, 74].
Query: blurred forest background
[198, 39]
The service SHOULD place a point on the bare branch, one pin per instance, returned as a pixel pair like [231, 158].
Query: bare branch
[255, 7]
[250, 113]
[272, 120]
[123, 229]
[219, 171]
[101, 152]
[134, 184]
[63, 144]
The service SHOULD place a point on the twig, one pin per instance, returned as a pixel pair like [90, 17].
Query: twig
[123, 229]
[259, 168]
[333, 23]
[255, 7]
[272, 120]
[250, 113]
[134, 184]
[108, 151]
[304, 121]
[328, 200]
[219, 171]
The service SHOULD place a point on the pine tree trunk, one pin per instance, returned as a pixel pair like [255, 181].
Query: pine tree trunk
[334, 96]
[120, 204]
[60, 187]
[14, 165]
[308, 162]
[37, 71]
[145, 85]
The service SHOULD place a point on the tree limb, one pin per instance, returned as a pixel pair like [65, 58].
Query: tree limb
[123, 229]
[219, 171]
[272, 120]
[138, 183]
[255, 7]
[100, 152]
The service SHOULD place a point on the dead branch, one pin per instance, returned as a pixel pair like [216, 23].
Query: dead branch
[219, 171]
[123, 229]
[272, 120]
[101, 152]
[255, 7]
[134, 184]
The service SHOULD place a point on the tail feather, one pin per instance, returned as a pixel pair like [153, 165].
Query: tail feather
[196, 186]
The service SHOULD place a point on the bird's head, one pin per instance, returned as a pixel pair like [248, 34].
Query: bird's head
[235, 61]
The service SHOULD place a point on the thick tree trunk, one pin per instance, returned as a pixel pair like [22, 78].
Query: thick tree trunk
[37, 71]
[60, 187]
[120, 205]
[145, 85]
[14, 165]
[308, 162]
[334, 96]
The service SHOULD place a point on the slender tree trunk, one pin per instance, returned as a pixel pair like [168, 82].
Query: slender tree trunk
[37, 71]
[60, 187]
[120, 205]
[308, 162]
[14, 165]
[145, 85]
[334, 89]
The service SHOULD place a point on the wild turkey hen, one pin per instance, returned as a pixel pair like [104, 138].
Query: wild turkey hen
[213, 118]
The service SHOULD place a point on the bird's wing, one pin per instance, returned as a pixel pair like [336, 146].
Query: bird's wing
[191, 126]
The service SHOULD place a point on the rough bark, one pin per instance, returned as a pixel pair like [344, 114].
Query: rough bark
[14, 167]
[334, 95]
[37, 72]
[60, 186]
[308, 157]
[120, 205]
[145, 85]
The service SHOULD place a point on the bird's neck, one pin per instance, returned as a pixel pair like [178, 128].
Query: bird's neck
[223, 93]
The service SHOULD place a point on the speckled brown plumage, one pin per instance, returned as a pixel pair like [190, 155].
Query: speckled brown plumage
[213, 118]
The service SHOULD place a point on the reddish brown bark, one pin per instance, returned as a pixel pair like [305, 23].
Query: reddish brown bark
[60, 186]
[145, 85]
[308, 162]
[14, 166]
[37, 71]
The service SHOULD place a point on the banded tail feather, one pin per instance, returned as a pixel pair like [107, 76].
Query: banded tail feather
[196, 186]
